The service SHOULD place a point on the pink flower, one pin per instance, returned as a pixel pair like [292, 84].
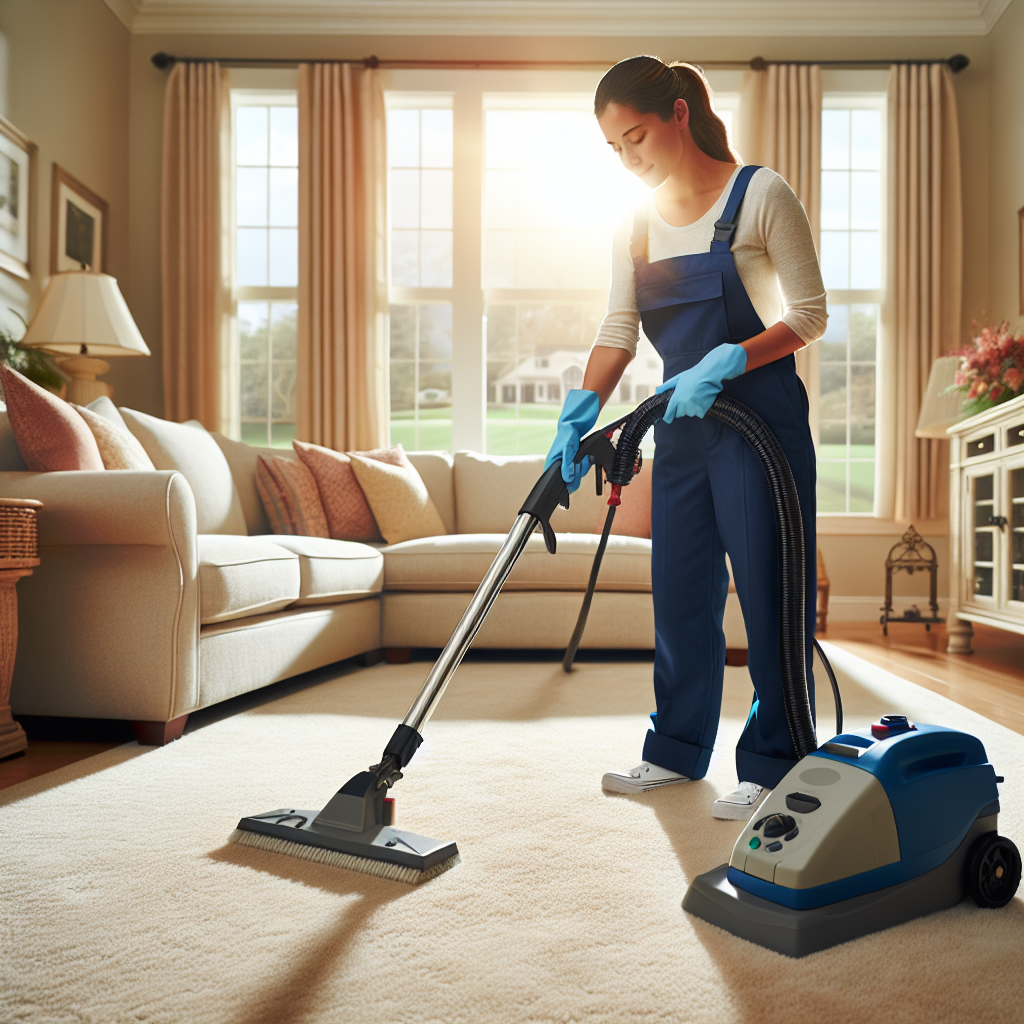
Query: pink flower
[1013, 378]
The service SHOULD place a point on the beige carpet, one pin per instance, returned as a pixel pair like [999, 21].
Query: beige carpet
[121, 900]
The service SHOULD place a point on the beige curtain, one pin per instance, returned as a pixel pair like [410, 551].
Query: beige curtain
[925, 266]
[779, 126]
[342, 355]
[194, 259]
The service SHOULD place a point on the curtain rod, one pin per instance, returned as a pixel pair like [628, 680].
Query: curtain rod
[164, 61]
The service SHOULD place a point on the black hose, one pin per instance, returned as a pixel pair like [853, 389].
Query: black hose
[581, 621]
[792, 565]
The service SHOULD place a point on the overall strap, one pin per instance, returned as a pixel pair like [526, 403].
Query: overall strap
[638, 236]
[726, 226]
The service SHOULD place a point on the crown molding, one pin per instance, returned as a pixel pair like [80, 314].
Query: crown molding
[561, 17]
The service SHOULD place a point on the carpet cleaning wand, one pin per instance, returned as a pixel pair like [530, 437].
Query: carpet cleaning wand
[354, 830]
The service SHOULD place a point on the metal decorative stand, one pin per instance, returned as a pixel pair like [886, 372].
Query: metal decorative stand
[912, 554]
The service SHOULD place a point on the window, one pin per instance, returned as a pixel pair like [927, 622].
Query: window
[265, 218]
[845, 359]
[420, 159]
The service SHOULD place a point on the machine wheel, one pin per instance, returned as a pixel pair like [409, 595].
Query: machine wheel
[993, 873]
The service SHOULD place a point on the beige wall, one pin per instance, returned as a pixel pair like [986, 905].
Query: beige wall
[1006, 173]
[66, 86]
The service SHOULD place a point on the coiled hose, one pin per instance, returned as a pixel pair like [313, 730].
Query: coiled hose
[792, 565]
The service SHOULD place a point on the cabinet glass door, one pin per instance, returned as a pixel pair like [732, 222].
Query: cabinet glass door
[1016, 528]
[981, 556]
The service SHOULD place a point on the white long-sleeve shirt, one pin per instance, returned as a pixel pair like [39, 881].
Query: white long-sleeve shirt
[772, 247]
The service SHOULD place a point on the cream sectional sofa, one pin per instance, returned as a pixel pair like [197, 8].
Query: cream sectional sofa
[141, 610]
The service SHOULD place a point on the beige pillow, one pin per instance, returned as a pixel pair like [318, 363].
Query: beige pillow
[398, 499]
[118, 447]
[104, 407]
[188, 448]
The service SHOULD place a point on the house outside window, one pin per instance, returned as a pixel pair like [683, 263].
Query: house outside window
[265, 263]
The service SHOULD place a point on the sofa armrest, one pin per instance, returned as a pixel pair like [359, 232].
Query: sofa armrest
[123, 507]
[109, 621]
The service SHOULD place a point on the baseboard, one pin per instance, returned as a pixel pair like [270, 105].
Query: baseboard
[869, 609]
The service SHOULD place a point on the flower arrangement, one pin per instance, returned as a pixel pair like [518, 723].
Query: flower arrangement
[991, 368]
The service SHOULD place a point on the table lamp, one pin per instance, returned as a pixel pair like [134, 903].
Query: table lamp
[943, 403]
[84, 317]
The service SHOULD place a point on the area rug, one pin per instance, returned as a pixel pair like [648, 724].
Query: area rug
[120, 899]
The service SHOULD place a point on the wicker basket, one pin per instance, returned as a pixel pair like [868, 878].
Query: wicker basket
[19, 530]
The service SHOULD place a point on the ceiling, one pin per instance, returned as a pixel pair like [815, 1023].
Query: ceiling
[562, 17]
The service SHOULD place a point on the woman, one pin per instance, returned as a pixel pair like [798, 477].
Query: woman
[707, 264]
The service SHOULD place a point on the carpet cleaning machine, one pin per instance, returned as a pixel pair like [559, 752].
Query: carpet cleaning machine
[871, 829]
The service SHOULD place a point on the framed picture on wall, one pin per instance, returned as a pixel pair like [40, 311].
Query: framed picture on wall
[78, 225]
[17, 157]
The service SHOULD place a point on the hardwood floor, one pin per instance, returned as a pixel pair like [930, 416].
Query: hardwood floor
[990, 682]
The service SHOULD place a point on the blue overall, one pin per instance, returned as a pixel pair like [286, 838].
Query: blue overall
[710, 497]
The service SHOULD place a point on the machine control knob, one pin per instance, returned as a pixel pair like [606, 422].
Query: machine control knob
[778, 825]
[891, 725]
[774, 847]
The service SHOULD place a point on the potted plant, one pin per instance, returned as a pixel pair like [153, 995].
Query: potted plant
[30, 362]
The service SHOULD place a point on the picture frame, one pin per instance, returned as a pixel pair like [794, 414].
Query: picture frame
[78, 225]
[17, 200]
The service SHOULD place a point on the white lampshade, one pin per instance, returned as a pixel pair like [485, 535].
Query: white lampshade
[940, 406]
[81, 308]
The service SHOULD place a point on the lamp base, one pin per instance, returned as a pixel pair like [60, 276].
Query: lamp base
[83, 387]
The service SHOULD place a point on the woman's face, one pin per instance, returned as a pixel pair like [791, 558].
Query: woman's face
[649, 147]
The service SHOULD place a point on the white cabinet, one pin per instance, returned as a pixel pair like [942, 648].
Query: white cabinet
[986, 525]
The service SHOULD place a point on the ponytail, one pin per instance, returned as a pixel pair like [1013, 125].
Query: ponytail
[649, 86]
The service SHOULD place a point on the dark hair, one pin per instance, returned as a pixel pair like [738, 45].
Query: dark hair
[650, 86]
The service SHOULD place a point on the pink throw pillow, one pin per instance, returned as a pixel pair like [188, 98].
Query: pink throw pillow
[348, 513]
[633, 516]
[290, 497]
[50, 434]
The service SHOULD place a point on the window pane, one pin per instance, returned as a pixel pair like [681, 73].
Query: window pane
[863, 332]
[866, 139]
[865, 200]
[405, 258]
[436, 259]
[251, 197]
[284, 136]
[862, 486]
[252, 330]
[437, 138]
[251, 256]
[835, 139]
[421, 376]
[835, 259]
[437, 199]
[831, 495]
[865, 260]
[435, 332]
[284, 257]
[405, 199]
[862, 395]
[284, 197]
[403, 138]
[835, 199]
[284, 321]
[832, 400]
[403, 332]
[251, 135]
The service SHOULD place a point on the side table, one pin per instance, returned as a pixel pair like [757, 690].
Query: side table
[19, 555]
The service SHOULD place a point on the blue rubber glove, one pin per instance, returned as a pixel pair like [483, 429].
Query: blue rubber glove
[579, 414]
[694, 390]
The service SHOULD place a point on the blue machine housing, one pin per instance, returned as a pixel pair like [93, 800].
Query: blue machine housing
[938, 782]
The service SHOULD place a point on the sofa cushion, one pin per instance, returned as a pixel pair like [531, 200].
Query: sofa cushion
[242, 576]
[435, 470]
[334, 570]
[188, 448]
[51, 436]
[398, 498]
[119, 447]
[242, 460]
[490, 490]
[457, 562]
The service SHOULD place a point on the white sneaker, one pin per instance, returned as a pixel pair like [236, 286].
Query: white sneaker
[640, 779]
[740, 804]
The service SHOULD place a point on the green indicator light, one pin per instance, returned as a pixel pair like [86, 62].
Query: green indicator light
[755, 843]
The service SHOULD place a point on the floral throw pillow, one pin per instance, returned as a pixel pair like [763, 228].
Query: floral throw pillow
[290, 497]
